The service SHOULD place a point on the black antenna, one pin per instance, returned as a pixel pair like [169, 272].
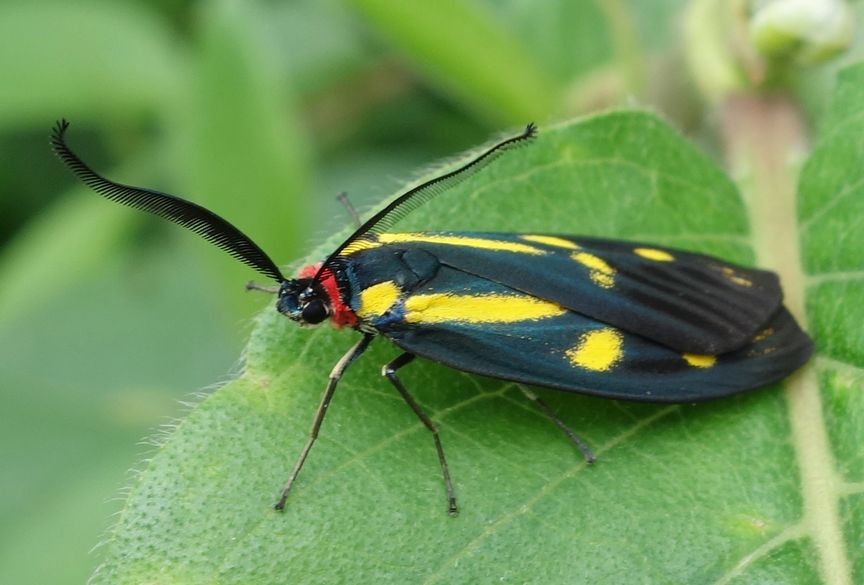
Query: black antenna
[407, 202]
[202, 221]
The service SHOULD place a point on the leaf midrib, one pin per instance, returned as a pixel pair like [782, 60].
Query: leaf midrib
[770, 193]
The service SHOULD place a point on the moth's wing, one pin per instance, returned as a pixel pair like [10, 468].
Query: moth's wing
[527, 340]
[686, 301]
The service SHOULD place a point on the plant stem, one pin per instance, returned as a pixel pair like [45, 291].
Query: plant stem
[765, 139]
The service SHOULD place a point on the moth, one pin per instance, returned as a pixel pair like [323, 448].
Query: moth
[605, 317]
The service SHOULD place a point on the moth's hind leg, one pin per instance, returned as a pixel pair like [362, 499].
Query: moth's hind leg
[389, 372]
[574, 438]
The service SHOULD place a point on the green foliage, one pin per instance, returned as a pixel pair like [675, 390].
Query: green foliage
[46, 75]
[831, 212]
[264, 110]
[439, 35]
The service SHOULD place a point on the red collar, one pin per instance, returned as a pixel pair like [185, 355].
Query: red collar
[342, 314]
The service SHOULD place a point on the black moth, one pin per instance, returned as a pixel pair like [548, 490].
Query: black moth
[610, 318]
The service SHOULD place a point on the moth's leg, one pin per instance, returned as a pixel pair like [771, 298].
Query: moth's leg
[389, 371]
[349, 207]
[335, 375]
[268, 289]
[544, 408]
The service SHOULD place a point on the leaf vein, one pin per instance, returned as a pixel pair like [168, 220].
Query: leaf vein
[548, 489]
[831, 203]
[790, 533]
[841, 276]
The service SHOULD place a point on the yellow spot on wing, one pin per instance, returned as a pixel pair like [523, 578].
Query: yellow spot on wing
[761, 352]
[732, 276]
[491, 308]
[699, 361]
[764, 334]
[375, 300]
[550, 241]
[601, 273]
[359, 246]
[654, 254]
[597, 350]
[469, 242]
[603, 280]
[593, 262]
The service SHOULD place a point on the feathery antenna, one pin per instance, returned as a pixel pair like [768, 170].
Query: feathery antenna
[414, 198]
[195, 218]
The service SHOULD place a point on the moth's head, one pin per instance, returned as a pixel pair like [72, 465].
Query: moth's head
[303, 300]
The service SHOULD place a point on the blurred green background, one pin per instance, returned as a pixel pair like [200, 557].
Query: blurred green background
[111, 321]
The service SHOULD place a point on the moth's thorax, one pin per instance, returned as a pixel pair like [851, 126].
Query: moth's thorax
[340, 314]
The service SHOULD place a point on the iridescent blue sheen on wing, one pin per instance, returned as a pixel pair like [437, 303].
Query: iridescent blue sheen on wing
[687, 301]
[537, 353]
[432, 299]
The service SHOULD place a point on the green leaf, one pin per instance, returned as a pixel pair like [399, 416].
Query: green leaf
[34, 256]
[569, 39]
[831, 212]
[709, 493]
[462, 48]
[73, 60]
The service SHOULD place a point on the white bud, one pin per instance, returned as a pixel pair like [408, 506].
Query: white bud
[804, 31]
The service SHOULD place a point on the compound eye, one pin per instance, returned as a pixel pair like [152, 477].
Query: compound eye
[314, 312]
